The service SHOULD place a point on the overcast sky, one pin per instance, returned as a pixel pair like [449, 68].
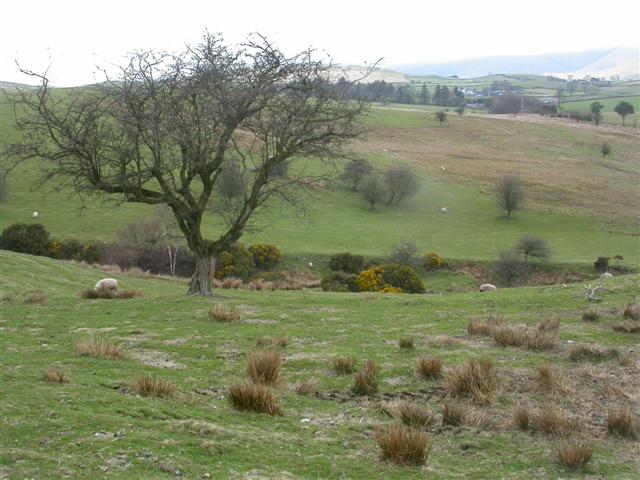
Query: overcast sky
[75, 36]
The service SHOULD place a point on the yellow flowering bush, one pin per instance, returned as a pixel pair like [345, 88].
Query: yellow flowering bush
[391, 290]
[432, 261]
[371, 280]
[265, 256]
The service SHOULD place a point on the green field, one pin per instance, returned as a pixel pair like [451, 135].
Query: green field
[96, 426]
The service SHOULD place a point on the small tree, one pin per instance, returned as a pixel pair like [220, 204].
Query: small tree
[372, 190]
[441, 116]
[460, 109]
[404, 253]
[623, 109]
[535, 247]
[605, 149]
[355, 171]
[596, 111]
[509, 193]
[510, 269]
[401, 183]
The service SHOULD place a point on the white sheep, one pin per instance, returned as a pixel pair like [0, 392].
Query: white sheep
[606, 275]
[487, 287]
[443, 210]
[107, 284]
[34, 215]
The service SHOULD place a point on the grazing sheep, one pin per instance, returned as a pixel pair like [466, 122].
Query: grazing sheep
[34, 215]
[443, 210]
[487, 287]
[107, 284]
[606, 275]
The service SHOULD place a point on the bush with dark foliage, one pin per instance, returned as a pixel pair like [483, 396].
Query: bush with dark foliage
[402, 276]
[346, 262]
[340, 282]
[25, 238]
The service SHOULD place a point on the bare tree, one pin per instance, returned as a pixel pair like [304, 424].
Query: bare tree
[401, 183]
[164, 130]
[441, 116]
[372, 190]
[532, 246]
[355, 171]
[509, 193]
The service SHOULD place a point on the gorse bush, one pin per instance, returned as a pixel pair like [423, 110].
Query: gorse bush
[371, 279]
[346, 262]
[25, 238]
[399, 276]
[340, 282]
[432, 261]
[265, 256]
[236, 262]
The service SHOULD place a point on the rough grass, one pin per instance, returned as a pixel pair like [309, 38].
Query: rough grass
[622, 423]
[406, 343]
[403, 445]
[55, 375]
[484, 326]
[453, 414]
[626, 327]
[413, 415]
[477, 380]
[100, 348]
[224, 313]
[272, 342]
[554, 422]
[306, 387]
[429, 368]
[253, 397]
[343, 365]
[152, 386]
[521, 417]
[631, 311]
[366, 380]
[263, 366]
[573, 455]
[110, 294]
[594, 353]
[591, 315]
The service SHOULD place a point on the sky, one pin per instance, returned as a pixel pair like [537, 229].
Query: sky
[72, 38]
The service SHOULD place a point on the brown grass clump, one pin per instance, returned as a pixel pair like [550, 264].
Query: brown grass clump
[224, 313]
[574, 455]
[521, 417]
[100, 348]
[631, 311]
[272, 342]
[414, 415]
[110, 294]
[551, 421]
[406, 343]
[591, 315]
[429, 368]
[593, 353]
[365, 381]
[476, 380]
[231, 283]
[621, 423]
[151, 386]
[35, 297]
[306, 387]
[478, 326]
[509, 335]
[452, 414]
[404, 446]
[253, 397]
[343, 365]
[54, 375]
[263, 366]
[627, 327]
[540, 340]
[549, 325]
[545, 376]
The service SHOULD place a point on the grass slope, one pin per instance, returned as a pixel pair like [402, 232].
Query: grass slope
[96, 427]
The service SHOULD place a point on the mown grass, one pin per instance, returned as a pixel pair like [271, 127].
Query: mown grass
[94, 422]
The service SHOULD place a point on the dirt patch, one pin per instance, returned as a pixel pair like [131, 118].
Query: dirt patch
[153, 358]
[94, 331]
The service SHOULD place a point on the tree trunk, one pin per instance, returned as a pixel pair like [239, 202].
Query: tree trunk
[201, 279]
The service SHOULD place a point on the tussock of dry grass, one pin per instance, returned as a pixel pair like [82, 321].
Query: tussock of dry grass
[540, 340]
[306, 387]
[406, 343]
[509, 335]
[35, 297]
[100, 348]
[229, 283]
[224, 313]
[365, 381]
[574, 456]
[111, 294]
[551, 421]
[484, 327]
[253, 397]
[413, 415]
[259, 285]
[403, 445]
[263, 366]
[545, 377]
[151, 386]
[55, 375]
[621, 423]
[549, 325]
[591, 315]
[343, 365]
[453, 414]
[272, 342]
[631, 311]
[627, 327]
[521, 417]
[593, 353]
[477, 380]
[429, 368]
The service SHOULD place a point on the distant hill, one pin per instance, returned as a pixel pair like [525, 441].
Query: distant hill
[600, 61]
[357, 72]
[12, 86]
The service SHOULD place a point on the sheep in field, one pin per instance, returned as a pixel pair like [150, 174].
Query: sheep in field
[487, 287]
[107, 284]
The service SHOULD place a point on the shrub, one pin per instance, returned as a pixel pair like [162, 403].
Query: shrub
[355, 171]
[371, 280]
[253, 397]
[366, 382]
[531, 246]
[263, 366]
[601, 264]
[429, 368]
[621, 423]
[343, 365]
[401, 183]
[432, 261]
[265, 256]
[404, 446]
[521, 417]
[340, 282]
[346, 262]
[402, 276]
[150, 386]
[404, 253]
[224, 313]
[25, 238]
[573, 455]
[55, 375]
[99, 348]
[510, 269]
[236, 262]
[452, 414]
[372, 190]
[391, 290]
[414, 415]
[476, 380]
[406, 343]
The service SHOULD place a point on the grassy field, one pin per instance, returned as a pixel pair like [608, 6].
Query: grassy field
[97, 426]
[610, 116]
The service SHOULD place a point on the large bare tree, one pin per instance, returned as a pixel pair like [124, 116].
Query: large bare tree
[165, 129]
